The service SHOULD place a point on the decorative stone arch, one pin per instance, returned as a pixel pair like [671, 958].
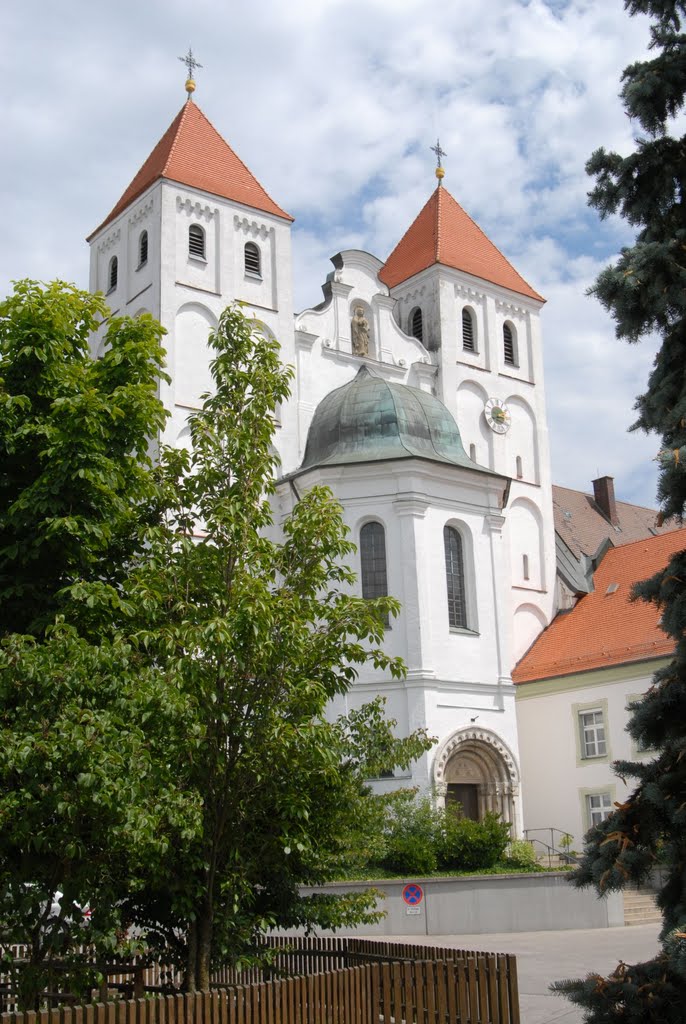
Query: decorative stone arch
[525, 526]
[480, 758]
[260, 327]
[522, 439]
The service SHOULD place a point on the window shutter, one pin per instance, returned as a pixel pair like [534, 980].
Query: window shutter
[467, 331]
[196, 241]
[253, 263]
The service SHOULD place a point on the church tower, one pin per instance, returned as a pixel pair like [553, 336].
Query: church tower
[192, 232]
[417, 399]
[459, 295]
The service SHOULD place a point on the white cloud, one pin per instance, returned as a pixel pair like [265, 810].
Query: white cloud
[333, 106]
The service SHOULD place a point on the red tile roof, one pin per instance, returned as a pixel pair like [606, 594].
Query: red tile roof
[192, 152]
[605, 628]
[443, 233]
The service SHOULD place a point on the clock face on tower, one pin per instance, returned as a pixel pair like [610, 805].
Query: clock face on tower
[497, 415]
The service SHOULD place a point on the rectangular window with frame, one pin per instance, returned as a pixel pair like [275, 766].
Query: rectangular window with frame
[598, 808]
[592, 733]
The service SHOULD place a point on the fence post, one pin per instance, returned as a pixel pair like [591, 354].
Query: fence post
[375, 993]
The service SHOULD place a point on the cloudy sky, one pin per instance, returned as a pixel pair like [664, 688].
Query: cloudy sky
[334, 105]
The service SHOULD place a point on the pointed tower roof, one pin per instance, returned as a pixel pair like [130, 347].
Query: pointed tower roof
[443, 233]
[192, 152]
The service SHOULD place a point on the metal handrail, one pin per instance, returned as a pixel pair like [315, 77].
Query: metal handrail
[552, 830]
[552, 851]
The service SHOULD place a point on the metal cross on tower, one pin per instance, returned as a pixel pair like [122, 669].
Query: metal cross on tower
[440, 153]
[190, 62]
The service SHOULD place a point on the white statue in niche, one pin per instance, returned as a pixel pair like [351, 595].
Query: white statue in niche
[360, 333]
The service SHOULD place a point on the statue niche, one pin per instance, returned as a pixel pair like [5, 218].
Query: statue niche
[359, 331]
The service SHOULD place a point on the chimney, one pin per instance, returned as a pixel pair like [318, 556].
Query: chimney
[604, 494]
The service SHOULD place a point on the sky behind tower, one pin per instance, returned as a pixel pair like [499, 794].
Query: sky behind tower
[334, 107]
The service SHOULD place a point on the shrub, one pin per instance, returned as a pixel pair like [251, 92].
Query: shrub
[410, 855]
[467, 845]
[410, 834]
[521, 854]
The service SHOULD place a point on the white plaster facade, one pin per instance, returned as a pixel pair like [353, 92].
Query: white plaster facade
[561, 773]
[459, 683]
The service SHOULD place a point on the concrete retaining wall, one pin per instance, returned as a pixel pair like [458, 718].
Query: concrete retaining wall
[488, 903]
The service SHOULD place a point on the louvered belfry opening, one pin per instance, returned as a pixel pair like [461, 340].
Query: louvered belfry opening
[417, 324]
[196, 241]
[113, 274]
[467, 330]
[508, 344]
[253, 262]
[143, 249]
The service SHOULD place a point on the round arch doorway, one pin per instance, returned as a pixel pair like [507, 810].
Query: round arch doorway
[473, 768]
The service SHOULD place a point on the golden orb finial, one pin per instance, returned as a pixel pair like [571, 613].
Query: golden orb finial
[440, 173]
[190, 86]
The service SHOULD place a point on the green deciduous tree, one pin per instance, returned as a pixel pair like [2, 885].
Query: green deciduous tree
[186, 698]
[645, 290]
[75, 481]
[88, 804]
[259, 634]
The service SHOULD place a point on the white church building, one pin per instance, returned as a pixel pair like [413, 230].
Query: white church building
[418, 399]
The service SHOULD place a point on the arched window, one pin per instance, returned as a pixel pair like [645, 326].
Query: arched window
[143, 249]
[373, 561]
[112, 274]
[253, 260]
[509, 344]
[468, 330]
[454, 574]
[520, 472]
[196, 241]
[417, 324]
[472, 452]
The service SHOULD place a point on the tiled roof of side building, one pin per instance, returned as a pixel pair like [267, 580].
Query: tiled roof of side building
[605, 627]
[583, 527]
[443, 233]
[192, 152]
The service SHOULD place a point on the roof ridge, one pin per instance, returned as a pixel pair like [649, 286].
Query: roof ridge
[175, 139]
[668, 536]
[389, 385]
[439, 221]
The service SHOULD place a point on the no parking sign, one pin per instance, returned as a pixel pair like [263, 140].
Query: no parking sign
[413, 894]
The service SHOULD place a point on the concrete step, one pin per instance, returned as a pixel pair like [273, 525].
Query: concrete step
[553, 861]
[640, 907]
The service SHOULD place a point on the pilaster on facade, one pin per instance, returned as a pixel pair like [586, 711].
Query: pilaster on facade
[411, 511]
[425, 376]
[495, 524]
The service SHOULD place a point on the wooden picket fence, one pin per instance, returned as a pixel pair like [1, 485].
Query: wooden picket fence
[386, 983]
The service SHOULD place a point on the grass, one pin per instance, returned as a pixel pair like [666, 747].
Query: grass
[374, 874]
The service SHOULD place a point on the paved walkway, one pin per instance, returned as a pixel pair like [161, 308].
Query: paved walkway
[543, 957]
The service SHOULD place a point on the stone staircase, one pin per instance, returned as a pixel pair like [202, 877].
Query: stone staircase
[640, 906]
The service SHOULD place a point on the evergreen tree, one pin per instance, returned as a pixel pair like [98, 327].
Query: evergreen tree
[645, 290]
